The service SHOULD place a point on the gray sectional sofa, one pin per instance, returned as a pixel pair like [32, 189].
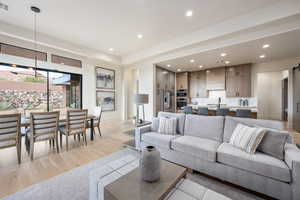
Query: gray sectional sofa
[201, 143]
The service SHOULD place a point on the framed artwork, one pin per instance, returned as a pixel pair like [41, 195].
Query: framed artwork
[106, 99]
[105, 78]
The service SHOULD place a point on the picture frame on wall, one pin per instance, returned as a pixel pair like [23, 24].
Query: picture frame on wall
[105, 78]
[106, 99]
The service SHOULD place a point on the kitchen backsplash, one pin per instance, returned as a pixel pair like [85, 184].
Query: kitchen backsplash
[214, 95]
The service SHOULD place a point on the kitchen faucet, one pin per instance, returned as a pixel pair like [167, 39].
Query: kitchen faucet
[219, 102]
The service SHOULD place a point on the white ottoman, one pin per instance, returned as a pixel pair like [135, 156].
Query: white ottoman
[189, 190]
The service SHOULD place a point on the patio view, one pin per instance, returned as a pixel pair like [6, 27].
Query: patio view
[23, 90]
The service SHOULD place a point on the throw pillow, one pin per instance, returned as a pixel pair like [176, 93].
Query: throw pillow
[273, 143]
[247, 138]
[167, 126]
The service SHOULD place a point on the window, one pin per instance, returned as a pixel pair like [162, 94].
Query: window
[22, 90]
[22, 52]
[66, 61]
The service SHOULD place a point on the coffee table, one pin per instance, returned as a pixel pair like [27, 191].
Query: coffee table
[131, 187]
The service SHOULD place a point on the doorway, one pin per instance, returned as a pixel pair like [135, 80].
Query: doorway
[285, 99]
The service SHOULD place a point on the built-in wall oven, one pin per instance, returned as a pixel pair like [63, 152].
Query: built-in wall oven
[181, 103]
[181, 93]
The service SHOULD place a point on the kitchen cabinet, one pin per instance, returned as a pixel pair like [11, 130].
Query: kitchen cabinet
[182, 81]
[197, 85]
[238, 81]
[215, 78]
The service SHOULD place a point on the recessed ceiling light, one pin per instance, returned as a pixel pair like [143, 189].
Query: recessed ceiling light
[262, 56]
[223, 54]
[140, 36]
[14, 65]
[266, 46]
[200, 66]
[192, 61]
[227, 62]
[189, 13]
[168, 65]
[111, 49]
[179, 70]
[30, 68]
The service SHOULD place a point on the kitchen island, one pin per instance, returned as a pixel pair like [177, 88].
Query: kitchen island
[212, 109]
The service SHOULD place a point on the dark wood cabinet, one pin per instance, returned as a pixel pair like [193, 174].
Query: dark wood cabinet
[215, 78]
[197, 83]
[238, 81]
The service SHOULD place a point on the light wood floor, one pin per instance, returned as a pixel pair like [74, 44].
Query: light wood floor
[47, 163]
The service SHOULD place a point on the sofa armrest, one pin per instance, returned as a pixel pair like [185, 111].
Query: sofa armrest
[138, 135]
[292, 159]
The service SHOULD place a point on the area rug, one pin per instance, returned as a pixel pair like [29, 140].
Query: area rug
[74, 184]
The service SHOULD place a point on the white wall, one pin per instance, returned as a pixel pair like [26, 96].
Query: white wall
[146, 81]
[269, 95]
[87, 71]
[272, 66]
[281, 66]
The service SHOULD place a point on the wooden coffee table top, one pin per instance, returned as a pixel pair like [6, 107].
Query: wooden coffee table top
[131, 187]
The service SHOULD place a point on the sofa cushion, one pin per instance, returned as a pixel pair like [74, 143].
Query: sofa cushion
[232, 122]
[209, 127]
[180, 120]
[200, 147]
[258, 163]
[155, 124]
[157, 139]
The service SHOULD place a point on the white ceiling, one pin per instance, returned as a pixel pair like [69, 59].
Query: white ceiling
[281, 46]
[104, 24]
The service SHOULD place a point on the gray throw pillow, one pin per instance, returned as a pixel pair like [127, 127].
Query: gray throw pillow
[273, 143]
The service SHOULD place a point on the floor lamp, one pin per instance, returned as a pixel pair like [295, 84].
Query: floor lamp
[140, 100]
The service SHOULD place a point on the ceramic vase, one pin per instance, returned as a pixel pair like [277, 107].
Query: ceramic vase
[150, 164]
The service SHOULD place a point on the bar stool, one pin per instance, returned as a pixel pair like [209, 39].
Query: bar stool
[222, 111]
[203, 111]
[245, 113]
[188, 110]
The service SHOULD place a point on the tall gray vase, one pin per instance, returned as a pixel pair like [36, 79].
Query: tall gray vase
[150, 164]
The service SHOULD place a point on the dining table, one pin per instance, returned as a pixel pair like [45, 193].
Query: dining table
[25, 122]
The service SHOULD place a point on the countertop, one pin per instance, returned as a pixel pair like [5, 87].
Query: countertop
[231, 108]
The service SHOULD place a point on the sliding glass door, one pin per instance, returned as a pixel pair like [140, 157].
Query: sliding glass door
[64, 91]
[22, 90]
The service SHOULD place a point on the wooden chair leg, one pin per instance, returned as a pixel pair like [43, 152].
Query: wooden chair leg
[60, 140]
[31, 149]
[84, 135]
[56, 142]
[19, 152]
[99, 131]
[53, 142]
[50, 143]
[94, 132]
[67, 143]
[78, 137]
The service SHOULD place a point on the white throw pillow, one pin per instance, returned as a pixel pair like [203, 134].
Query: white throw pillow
[247, 138]
[167, 126]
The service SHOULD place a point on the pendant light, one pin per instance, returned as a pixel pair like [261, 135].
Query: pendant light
[36, 10]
